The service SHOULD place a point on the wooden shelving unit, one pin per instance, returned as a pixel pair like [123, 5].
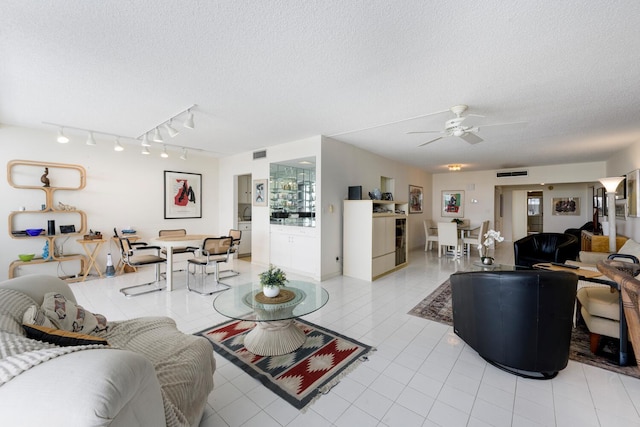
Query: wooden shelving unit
[50, 210]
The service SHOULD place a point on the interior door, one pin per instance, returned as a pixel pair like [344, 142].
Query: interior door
[519, 214]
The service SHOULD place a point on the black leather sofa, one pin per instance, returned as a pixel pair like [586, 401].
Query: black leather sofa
[519, 321]
[545, 247]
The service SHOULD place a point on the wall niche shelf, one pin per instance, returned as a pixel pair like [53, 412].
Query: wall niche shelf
[27, 168]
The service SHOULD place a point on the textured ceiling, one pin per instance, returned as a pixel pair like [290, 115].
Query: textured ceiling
[267, 72]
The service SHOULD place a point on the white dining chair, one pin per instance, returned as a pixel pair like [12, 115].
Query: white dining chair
[476, 238]
[448, 237]
[431, 235]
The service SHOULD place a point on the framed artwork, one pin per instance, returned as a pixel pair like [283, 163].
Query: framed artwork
[260, 192]
[415, 199]
[182, 195]
[621, 189]
[633, 191]
[621, 209]
[566, 205]
[452, 203]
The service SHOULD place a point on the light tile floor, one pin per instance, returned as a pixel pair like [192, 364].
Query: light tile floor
[422, 374]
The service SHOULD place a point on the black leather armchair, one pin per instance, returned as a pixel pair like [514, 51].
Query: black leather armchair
[588, 226]
[519, 321]
[545, 247]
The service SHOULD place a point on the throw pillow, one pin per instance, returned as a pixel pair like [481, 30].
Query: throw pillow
[60, 337]
[35, 316]
[65, 314]
[630, 247]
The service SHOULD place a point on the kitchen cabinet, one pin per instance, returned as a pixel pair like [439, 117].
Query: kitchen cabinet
[244, 189]
[294, 249]
[245, 239]
[374, 238]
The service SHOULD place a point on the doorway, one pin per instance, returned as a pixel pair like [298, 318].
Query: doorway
[534, 212]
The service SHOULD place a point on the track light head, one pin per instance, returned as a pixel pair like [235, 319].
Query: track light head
[62, 138]
[164, 153]
[156, 135]
[170, 129]
[145, 150]
[117, 146]
[183, 156]
[145, 141]
[189, 122]
[90, 139]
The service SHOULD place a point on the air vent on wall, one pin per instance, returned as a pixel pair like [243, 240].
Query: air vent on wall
[516, 173]
[259, 154]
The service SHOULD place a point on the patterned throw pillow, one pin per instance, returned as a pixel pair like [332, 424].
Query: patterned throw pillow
[35, 316]
[60, 337]
[65, 314]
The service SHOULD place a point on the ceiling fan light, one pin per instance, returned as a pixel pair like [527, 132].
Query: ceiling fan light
[172, 131]
[458, 132]
[156, 135]
[164, 153]
[62, 138]
[117, 146]
[189, 122]
[455, 167]
[90, 139]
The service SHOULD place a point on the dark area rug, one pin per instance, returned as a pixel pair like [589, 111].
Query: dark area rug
[437, 307]
[299, 377]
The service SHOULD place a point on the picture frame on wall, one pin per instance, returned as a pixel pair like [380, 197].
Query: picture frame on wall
[621, 209]
[260, 192]
[633, 193]
[452, 203]
[566, 206]
[415, 199]
[182, 195]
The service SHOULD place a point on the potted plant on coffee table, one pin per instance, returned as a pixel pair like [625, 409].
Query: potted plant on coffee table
[271, 281]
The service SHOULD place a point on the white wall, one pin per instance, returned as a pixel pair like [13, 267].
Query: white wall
[123, 189]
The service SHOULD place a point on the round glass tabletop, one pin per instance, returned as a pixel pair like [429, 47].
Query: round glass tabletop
[239, 302]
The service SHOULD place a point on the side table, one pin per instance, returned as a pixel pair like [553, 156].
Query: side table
[91, 254]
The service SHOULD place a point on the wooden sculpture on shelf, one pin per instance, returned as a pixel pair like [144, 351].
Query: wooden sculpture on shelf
[44, 178]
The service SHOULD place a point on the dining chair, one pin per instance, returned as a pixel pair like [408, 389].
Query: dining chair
[476, 238]
[138, 256]
[448, 237]
[214, 251]
[236, 236]
[430, 235]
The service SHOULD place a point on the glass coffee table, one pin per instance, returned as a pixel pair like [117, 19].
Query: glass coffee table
[275, 332]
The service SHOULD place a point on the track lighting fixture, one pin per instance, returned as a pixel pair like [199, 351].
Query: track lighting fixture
[164, 153]
[183, 156]
[145, 140]
[170, 129]
[145, 150]
[90, 139]
[156, 135]
[62, 138]
[189, 122]
[117, 146]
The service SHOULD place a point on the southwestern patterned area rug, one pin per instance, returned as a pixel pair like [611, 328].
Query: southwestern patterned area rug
[299, 377]
[437, 307]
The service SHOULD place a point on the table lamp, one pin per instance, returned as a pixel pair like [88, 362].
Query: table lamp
[610, 185]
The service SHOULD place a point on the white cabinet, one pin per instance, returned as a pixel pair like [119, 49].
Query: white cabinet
[245, 239]
[374, 238]
[295, 249]
[244, 188]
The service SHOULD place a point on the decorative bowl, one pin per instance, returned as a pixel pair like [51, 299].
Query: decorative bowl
[34, 231]
[26, 257]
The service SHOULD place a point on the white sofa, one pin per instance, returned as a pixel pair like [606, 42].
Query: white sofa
[151, 374]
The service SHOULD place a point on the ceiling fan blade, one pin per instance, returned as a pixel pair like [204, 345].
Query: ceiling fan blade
[471, 138]
[425, 131]
[429, 142]
[389, 123]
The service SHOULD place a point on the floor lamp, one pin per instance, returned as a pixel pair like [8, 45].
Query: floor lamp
[610, 185]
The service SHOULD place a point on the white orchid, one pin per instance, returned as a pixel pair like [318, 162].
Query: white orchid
[490, 237]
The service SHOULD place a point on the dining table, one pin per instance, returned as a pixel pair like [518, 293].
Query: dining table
[170, 242]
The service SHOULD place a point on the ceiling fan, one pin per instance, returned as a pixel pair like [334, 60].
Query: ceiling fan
[456, 127]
